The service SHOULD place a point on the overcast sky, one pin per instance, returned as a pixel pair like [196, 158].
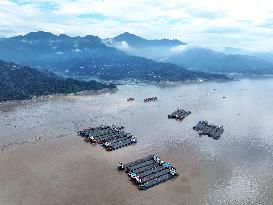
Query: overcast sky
[244, 24]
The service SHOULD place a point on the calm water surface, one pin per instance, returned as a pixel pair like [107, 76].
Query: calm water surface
[236, 169]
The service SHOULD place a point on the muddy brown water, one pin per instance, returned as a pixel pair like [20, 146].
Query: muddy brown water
[43, 161]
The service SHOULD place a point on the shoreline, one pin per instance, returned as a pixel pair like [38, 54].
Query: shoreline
[56, 95]
[234, 77]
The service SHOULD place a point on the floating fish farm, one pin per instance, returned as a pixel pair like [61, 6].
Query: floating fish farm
[150, 99]
[110, 137]
[204, 128]
[149, 171]
[179, 114]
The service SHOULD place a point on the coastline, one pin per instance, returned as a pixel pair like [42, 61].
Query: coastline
[56, 95]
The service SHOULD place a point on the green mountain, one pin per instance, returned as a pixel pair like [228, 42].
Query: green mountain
[89, 56]
[19, 82]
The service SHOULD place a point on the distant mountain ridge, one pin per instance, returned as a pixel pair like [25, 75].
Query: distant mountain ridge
[136, 41]
[19, 82]
[208, 60]
[203, 59]
[89, 56]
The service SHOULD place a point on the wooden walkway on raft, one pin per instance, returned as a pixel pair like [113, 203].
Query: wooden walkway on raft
[110, 137]
[179, 114]
[149, 171]
[203, 128]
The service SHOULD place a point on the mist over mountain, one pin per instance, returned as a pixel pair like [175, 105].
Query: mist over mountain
[48, 51]
[265, 56]
[19, 82]
[196, 58]
[158, 50]
[212, 61]
[139, 42]
[91, 56]
[230, 60]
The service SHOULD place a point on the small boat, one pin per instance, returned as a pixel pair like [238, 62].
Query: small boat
[150, 99]
[130, 99]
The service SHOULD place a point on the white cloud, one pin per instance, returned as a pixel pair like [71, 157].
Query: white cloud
[208, 23]
[77, 50]
[124, 45]
[178, 49]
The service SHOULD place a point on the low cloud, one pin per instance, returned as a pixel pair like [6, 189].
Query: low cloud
[178, 49]
[206, 13]
[223, 30]
[123, 45]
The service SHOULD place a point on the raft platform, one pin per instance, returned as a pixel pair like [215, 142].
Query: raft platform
[204, 128]
[149, 171]
[179, 114]
[110, 137]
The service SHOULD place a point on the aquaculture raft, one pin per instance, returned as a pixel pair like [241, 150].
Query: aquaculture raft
[179, 114]
[110, 137]
[149, 171]
[203, 128]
